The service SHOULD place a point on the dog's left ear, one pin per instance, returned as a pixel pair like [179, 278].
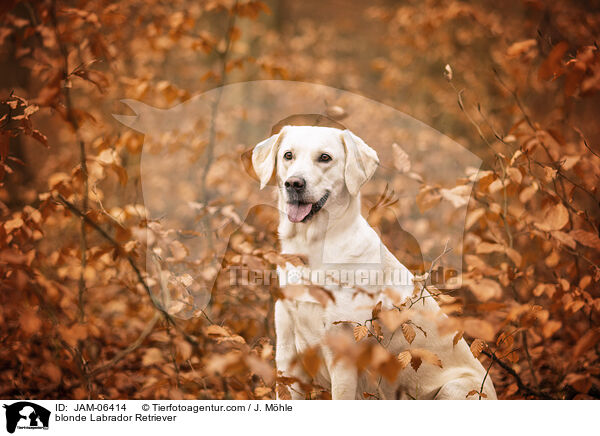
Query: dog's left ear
[264, 156]
[361, 161]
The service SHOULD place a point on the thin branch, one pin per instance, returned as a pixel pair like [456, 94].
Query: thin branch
[215, 106]
[528, 390]
[121, 354]
[528, 355]
[131, 262]
[72, 119]
[585, 142]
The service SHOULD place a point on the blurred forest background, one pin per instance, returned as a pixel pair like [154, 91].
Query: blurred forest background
[517, 83]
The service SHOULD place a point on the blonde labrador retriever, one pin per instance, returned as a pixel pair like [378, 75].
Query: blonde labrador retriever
[319, 172]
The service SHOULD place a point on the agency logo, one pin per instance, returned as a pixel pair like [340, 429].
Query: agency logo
[26, 415]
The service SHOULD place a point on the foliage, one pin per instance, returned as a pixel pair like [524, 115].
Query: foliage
[80, 316]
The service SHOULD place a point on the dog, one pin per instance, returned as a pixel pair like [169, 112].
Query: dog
[318, 172]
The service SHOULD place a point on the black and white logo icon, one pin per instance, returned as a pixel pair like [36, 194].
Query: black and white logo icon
[26, 415]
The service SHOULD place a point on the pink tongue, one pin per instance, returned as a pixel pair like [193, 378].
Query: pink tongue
[297, 212]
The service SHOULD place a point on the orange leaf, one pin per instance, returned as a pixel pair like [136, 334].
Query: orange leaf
[360, 332]
[408, 332]
[477, 347]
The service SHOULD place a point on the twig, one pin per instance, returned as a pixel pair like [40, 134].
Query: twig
[529, 361]
[121, 354]
[517, 99]
[428, 275]
[210, 147]
[72, 119]
[585, 142]
[517, 378]
[131, 262]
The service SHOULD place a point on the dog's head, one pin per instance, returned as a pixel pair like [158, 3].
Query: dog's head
[316, 168]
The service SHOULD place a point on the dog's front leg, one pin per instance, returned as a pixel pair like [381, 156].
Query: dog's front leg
[286, 352]
[344, 381]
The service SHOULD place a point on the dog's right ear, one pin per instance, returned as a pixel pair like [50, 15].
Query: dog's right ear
[264, 157]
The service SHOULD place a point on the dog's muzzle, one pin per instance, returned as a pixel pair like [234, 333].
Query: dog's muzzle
[300, 212]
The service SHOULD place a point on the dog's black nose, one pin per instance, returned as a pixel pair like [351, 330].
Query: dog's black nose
[295, 183]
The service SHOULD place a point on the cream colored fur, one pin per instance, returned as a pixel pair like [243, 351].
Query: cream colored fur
[338, 237]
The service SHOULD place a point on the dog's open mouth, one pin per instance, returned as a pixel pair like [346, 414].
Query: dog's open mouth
[299, 212]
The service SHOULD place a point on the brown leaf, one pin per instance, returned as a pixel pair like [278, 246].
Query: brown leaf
[30, 322]
[360, 332]
[552, 65]
[585, 343]
[283, 392]
[479, 328]
[457, 196]
[152, 356]
[477, 347]
[555, 218]
[427, 198]
[51, 371]
[401, 159]
[485, 289]
[587, 239]
[376, 310]
[457, 337]
[377, 328]
[392, 319]
[74, 334]
[415, 362]
[544, 288]
[515, 256]
[521, 47]
[487, 247]
[550, 328]
[261, 368]
[404, 358]
[565, 239]
[311, 361]
[408, 332]
[425, 356]
[582, 383]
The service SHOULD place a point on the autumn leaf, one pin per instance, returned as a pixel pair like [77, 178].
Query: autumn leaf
[457, 337]
[457, 196]
[404, 358]
[479, 328]
[477, 347]
[552, 64]
[555, 218]
[485, 289]
[521, 47]
[30, 322]
[283, 392]
[152, 356]
[311, 361]
[360, 332]
[408, 332]
[428, 197]
[376, 310]
[587, 239]
[487, 247]
[420, 355]
[401, 159]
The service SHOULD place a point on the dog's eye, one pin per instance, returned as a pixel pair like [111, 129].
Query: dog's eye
[324, 158]
[288, 155]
